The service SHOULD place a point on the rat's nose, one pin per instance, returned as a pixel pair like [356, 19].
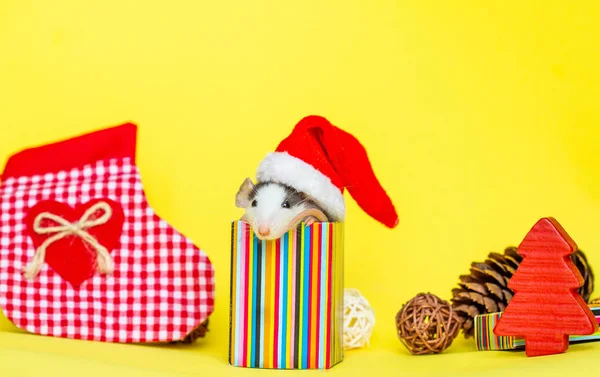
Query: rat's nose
[263, 231]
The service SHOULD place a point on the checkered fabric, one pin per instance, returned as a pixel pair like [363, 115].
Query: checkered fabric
[162, 286]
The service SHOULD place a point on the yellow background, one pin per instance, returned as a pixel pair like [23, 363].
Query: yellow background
[479, 117]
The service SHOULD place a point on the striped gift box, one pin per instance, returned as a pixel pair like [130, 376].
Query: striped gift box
[488, 341]
[286, 298]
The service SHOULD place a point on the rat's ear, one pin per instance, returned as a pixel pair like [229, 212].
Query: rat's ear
[242, 198]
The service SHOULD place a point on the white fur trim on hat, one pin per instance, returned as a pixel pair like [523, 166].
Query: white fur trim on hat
[283, 168]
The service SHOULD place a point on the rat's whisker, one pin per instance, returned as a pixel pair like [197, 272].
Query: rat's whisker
[305, 200]
[301, 202]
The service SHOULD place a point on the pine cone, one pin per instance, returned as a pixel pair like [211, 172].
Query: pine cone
[486, 290]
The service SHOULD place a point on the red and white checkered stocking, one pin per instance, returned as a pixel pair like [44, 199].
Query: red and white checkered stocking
[84, 256]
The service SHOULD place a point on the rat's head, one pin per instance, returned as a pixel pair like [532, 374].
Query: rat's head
[270, 207]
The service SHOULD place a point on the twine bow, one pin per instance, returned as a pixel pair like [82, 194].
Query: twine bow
[64, 229]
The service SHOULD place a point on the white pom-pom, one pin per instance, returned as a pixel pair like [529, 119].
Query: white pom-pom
[359, 319]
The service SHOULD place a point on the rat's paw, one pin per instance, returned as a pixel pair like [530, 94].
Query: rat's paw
[309, 221]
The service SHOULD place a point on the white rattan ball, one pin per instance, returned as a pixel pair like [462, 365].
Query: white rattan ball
[359, 319]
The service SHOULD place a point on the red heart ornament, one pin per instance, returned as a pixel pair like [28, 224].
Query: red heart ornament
[71, 256]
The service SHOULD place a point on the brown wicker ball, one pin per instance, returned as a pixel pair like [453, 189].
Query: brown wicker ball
[427, 324]
[198, 332]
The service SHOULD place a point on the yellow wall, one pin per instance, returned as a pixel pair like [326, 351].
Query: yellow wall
[479, 117]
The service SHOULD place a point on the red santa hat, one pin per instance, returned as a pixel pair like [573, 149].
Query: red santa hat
[322, 160]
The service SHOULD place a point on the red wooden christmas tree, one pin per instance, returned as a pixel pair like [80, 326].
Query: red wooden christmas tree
[546, 307]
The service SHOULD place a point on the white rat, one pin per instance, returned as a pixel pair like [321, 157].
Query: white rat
[273, 208]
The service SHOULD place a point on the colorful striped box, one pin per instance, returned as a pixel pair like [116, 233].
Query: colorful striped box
[488, 341]
[286, 298]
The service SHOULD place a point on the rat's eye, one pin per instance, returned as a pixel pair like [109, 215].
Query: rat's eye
[285, 204]
[254, 203]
